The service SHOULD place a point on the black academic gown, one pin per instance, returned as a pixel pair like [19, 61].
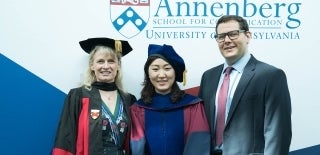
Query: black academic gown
[80, 128]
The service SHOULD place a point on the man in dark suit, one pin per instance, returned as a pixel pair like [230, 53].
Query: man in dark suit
[256, 112]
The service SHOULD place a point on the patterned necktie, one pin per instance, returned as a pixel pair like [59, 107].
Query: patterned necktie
[222, 100]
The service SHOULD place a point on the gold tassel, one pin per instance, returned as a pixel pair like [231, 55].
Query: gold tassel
[184, 76]
[117, 46]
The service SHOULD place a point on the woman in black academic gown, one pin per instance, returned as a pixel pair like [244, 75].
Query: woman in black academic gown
[95, 119]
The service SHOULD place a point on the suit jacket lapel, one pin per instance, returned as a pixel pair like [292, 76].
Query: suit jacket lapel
[214, 87]
[247, 74]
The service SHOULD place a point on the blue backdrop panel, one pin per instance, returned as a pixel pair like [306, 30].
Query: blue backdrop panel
[29, 111]
[313, 150]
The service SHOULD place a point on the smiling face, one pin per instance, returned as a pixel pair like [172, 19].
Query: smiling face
[105, 66]
[233, 50]
[162, 76]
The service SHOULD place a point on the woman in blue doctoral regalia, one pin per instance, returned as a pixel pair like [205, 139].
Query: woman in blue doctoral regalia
[166, 120]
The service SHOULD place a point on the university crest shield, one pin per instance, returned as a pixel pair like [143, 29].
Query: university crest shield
[129, 17]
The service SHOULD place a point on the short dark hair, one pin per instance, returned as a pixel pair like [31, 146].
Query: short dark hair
[243, 24]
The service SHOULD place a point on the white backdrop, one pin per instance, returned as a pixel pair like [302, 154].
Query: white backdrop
[42, 36]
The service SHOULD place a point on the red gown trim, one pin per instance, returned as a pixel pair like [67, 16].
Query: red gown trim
[57, 151]
[83, 129]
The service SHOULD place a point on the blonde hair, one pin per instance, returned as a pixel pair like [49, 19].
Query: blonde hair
[89, 76]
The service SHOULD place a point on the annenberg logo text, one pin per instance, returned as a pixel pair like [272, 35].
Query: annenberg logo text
[243, 8]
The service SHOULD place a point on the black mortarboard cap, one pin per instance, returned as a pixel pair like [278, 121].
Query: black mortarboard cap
[169, 54]
[120, 46]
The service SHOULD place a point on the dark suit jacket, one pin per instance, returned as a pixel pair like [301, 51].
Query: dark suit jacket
[259, 120]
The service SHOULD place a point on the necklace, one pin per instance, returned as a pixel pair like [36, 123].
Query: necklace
[110, 99]
[108, 95]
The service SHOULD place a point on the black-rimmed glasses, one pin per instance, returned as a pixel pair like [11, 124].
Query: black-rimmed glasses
[231, 34]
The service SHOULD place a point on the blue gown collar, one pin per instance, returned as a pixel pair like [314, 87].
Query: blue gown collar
[163, 102]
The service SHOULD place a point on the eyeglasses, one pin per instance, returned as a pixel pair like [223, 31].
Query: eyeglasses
[232, 35]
